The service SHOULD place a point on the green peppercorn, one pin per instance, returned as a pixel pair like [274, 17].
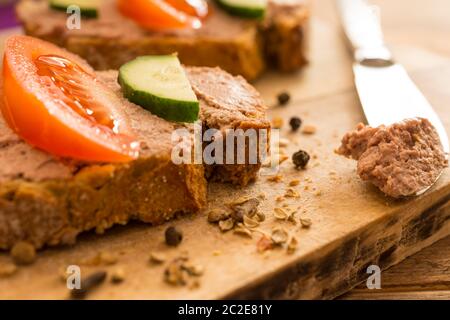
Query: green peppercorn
[300, 159]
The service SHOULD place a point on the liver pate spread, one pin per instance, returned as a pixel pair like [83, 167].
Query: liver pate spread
[226, 101]
[400, 159]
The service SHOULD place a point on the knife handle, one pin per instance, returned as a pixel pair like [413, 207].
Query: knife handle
[362, 27]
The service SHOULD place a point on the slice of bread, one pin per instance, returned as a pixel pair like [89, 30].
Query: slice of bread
[240, 46]
[49, 201]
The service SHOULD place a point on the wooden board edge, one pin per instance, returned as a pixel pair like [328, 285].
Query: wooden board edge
[321, 276]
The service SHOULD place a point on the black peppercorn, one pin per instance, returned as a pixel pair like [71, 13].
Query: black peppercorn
[173, 236]
[300, 159]
[295, 123]
[283, 98]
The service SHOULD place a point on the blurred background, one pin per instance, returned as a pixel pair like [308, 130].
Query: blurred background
[408, 22]
[7, 17]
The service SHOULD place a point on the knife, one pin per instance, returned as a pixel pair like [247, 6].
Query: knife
[386, 92]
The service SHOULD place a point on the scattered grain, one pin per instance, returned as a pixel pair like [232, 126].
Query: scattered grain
[174, 273]
[291, 193]
[7, 269]
[243, 231]
[305, 222]
[309, 129]
[195, 270]
[291, 217]
[216, 215]
[118, 275]
[250, 223]
[194, 284]
[294, 182]
[216, 253]
[280, 214]
[292, 245]
[225, 225]
[277, 178]
[260, 216]
[264, 243]
[108, 258]
[277, 122]
[282, 158]
[248, 207]
[283, 142]
[157, 257]
[279, 236]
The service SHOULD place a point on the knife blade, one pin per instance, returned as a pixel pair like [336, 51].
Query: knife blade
[386, 92]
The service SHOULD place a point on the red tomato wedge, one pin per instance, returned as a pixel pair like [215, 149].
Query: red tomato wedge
[157, 14]
[197, 8]
[53, 100]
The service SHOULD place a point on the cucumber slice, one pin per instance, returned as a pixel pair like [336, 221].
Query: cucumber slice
[160, 85]
[88, 8]
[244, 8]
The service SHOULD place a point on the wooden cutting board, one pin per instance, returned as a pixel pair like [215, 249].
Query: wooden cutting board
[353, 225]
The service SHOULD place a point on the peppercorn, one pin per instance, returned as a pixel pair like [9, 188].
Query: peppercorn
[300, 159]
[173, 236]
[283, 98]
[295, 123]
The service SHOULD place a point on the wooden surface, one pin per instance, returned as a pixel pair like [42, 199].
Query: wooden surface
[425, 275]
[353, 224]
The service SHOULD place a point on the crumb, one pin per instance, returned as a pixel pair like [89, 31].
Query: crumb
[276, 178]
[309, 129]
[157, 257]
[277, 122]
[7, 269]
[283, 142]
[118, 275]
[294, 182]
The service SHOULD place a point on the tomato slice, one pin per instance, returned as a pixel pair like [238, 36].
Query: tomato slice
[53, 100]
[197, 8]
[157, 14]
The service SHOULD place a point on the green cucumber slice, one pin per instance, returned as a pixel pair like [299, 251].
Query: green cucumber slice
[244, 8]
[88, 8]
[160, 85]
